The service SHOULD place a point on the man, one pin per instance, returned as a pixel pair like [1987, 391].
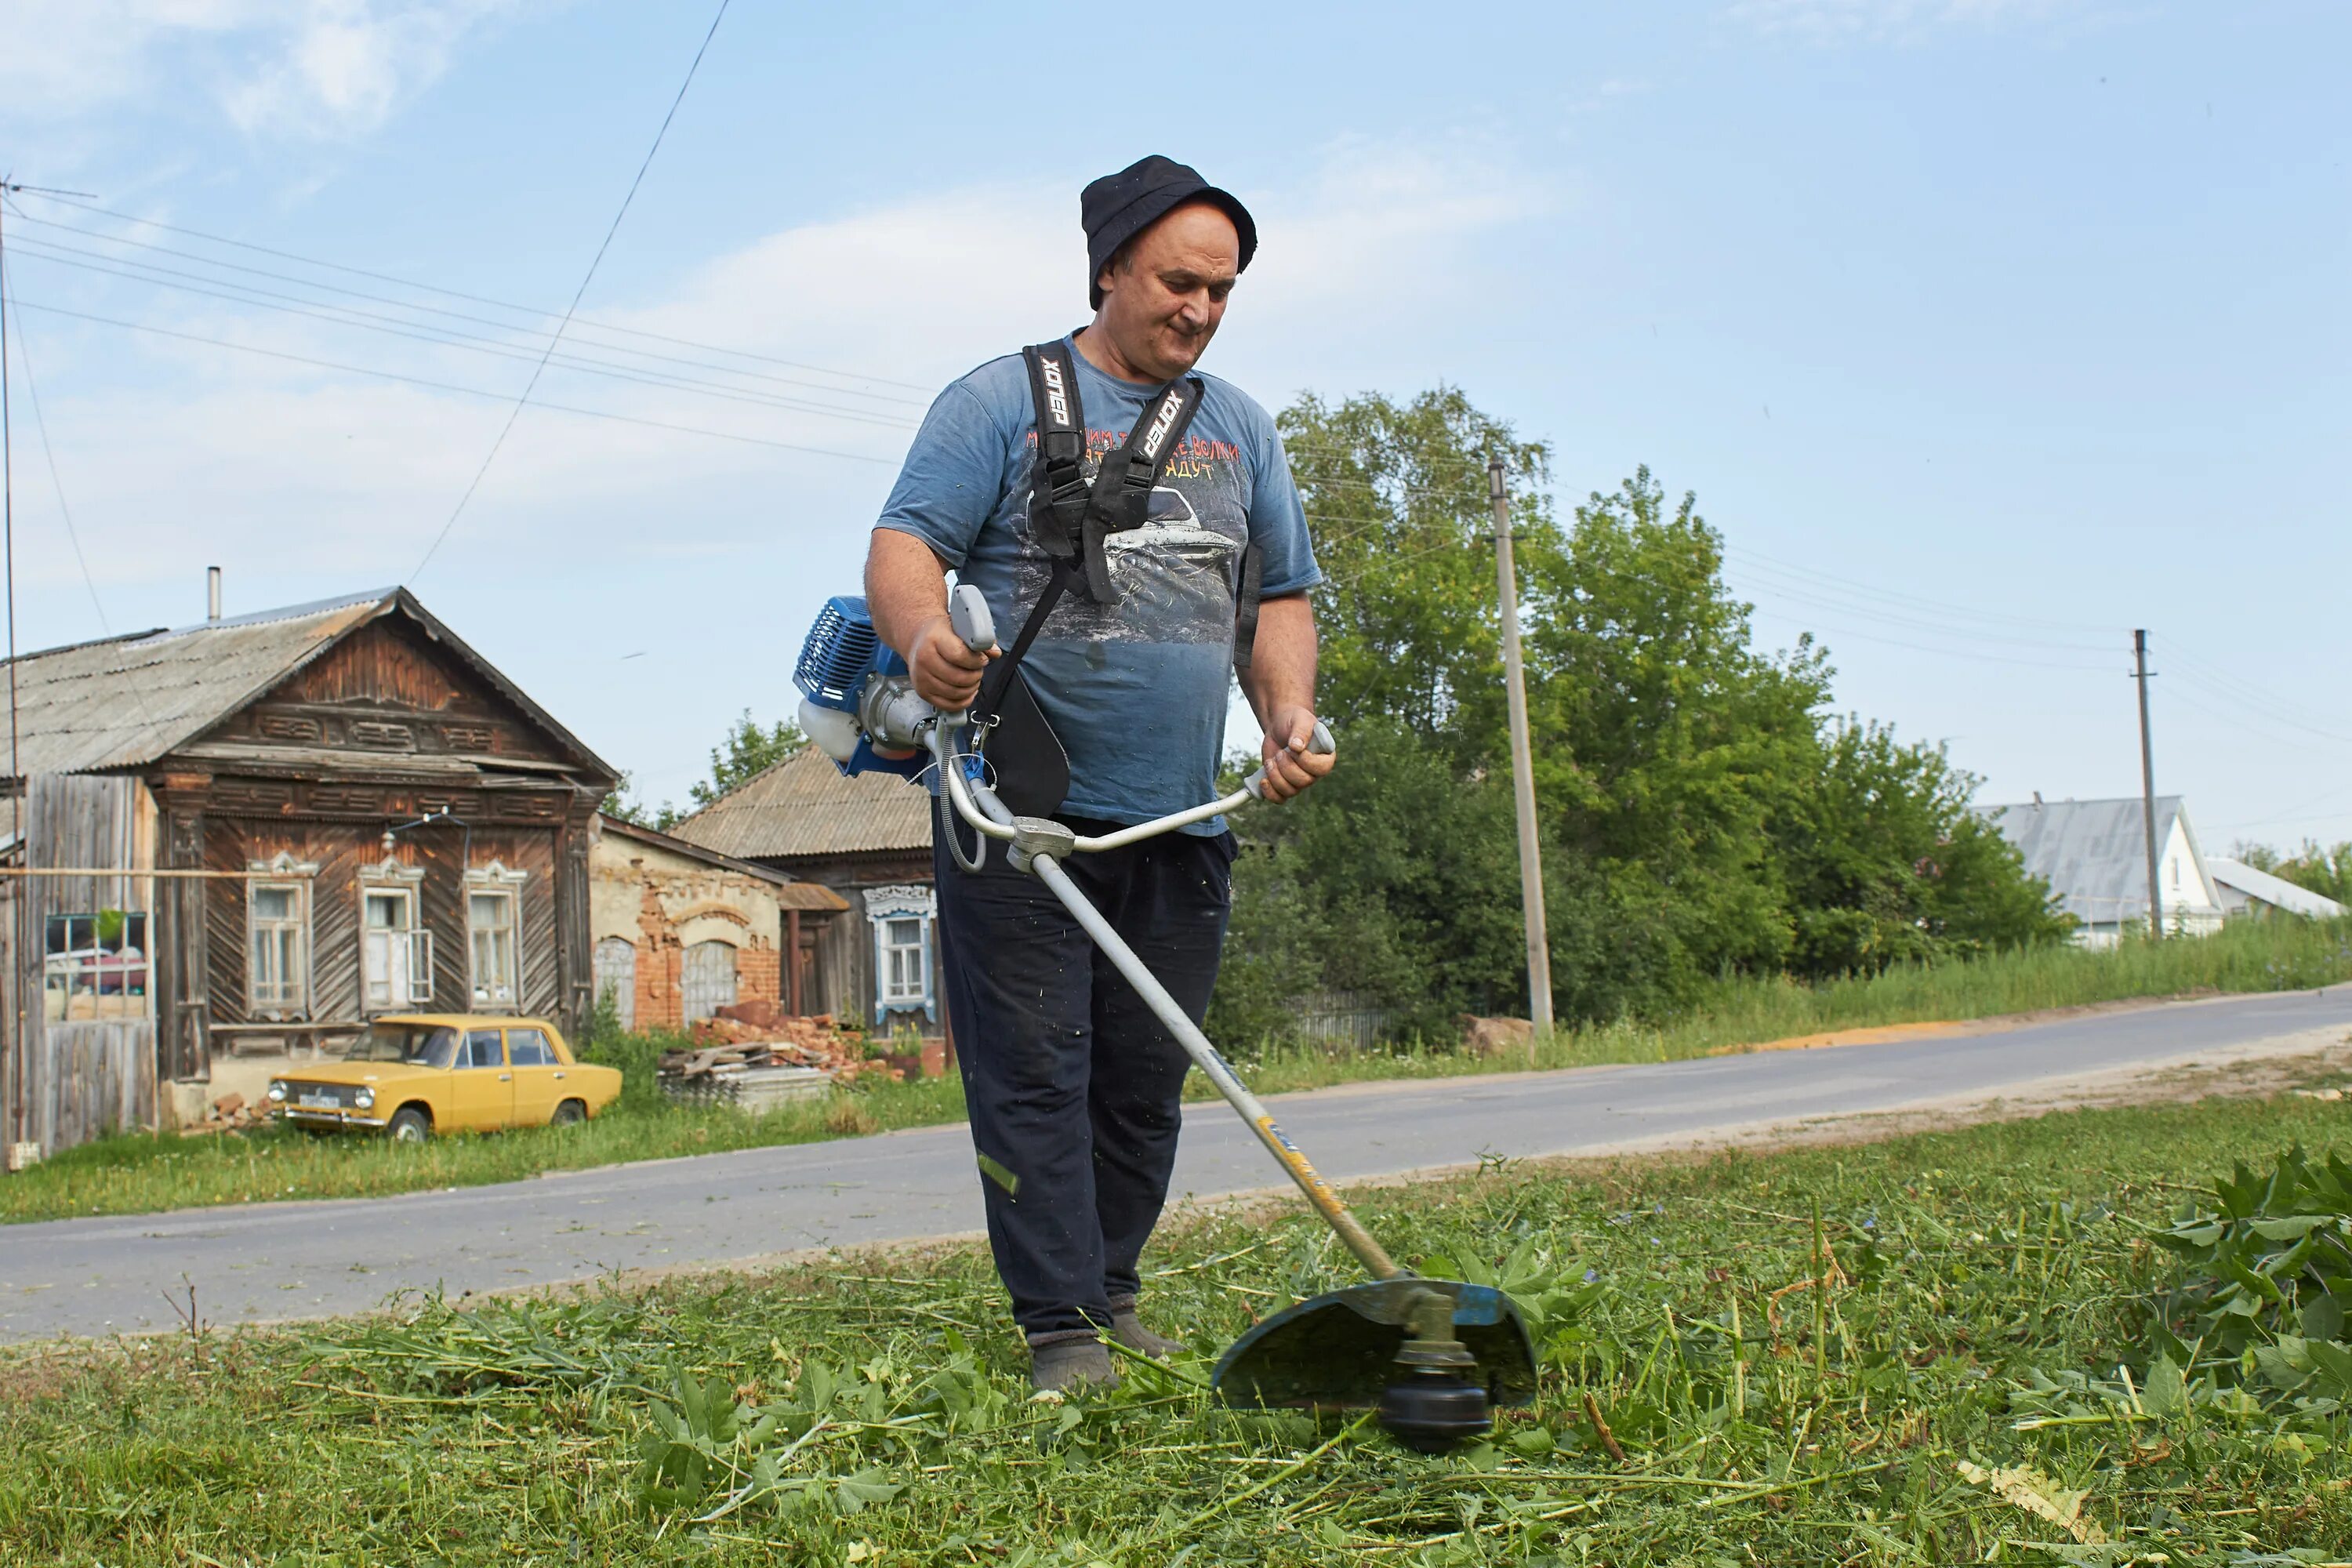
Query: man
[1073, 1086]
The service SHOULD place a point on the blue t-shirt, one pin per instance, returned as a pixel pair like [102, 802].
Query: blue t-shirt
[1136, 689]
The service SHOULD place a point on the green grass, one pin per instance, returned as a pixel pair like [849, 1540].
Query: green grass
[1988, 1309]
[142, 1172]
[139, 1173]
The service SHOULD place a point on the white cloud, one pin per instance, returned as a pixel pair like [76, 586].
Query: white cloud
[304, 67]
[305, 482]
[1824, 21]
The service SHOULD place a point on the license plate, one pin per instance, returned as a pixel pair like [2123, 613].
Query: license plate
[318, 1103]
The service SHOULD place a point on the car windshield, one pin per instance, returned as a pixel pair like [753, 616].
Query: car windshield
[418, 1045]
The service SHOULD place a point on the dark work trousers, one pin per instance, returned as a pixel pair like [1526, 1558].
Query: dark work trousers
[1074, 1087]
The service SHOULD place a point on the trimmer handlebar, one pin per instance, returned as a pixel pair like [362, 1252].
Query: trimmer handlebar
[1319, 744]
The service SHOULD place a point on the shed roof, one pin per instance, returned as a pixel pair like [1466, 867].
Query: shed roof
[2094, 852]
[789, 893]
[804, 806]
[129, 701]
[2267, 889]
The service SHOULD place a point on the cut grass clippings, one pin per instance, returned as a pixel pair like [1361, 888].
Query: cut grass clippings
[1928, 1350]
[137, 1173]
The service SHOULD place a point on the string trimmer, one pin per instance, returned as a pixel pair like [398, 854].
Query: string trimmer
[1432, 1355]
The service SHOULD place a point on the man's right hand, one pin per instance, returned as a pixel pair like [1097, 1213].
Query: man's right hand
[947, 672]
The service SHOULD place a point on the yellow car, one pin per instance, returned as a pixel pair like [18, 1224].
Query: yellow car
[416, 1074]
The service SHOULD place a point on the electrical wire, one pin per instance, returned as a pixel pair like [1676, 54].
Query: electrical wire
[451, 386]
[572, 309]
[474, 343]
[581, 323]
[99, 261]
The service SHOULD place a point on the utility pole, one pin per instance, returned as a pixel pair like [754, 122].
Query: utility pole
[1523, 762]
[20, 1059]
[2147, 788]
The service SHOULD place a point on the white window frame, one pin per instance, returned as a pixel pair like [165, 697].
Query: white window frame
[290, 993]
[625, 995]
[390, 878]
[84, 972]
[898, 902]
[494, 880]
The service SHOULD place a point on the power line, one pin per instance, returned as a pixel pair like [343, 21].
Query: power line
[41, 423]
[1808, 577]
[99, 261]
[586, 323]
[433, 386]
[516, 413]
[472, 343]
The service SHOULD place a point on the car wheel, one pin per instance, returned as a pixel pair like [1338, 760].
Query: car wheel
[409, 1125]
[571, 1114]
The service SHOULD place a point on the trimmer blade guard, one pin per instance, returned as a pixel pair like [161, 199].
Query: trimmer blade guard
[1340, 1350]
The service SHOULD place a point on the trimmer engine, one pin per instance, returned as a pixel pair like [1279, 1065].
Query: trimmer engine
[857, 701]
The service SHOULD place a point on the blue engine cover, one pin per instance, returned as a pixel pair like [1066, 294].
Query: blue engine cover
[841, 653]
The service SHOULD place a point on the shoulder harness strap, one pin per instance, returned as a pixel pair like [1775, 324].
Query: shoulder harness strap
[1072, 519]
[1057, 501]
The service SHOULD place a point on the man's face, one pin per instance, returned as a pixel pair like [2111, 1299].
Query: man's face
[1162, 306]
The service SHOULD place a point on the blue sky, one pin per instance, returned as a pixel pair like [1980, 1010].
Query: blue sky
[1985, 330]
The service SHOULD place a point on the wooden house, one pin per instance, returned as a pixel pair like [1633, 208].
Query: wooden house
[869, 838]
[296, 820]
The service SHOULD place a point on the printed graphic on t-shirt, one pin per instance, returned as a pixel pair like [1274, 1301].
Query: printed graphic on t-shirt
[1177, 572]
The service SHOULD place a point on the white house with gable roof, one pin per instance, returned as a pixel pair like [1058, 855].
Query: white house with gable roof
[2094, 853]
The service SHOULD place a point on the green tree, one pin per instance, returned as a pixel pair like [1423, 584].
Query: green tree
[1700, 813]
[624, 804]
[747, 751]
[1887, 862]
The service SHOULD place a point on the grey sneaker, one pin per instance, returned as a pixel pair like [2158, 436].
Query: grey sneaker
[1128, 1330]
[1061, 1366]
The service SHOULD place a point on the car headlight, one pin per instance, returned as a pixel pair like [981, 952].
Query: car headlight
[277, 1091]
[364, 1098]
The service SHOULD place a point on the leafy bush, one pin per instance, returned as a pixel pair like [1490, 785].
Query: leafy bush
[2267, 1282]
[637, 1053]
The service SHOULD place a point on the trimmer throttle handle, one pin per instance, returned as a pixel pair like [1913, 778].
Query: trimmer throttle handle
[968, 614]
[1319, 744]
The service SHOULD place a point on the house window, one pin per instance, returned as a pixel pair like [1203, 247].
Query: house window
[490, 930]
[905, 980]
[280, 956]
[278, 934]
[901, 918]
[395, 955]
[493, 935]
[707, 979]
[94, 965]
[616, 979]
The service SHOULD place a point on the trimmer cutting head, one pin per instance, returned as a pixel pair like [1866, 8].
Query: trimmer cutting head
[1432, 1355]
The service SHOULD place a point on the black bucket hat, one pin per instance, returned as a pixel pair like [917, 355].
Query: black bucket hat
[1116, 207]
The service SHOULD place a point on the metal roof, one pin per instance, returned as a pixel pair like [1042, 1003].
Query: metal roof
[126, 701]
[2094, 852]
[2264, 887]
[802, 806]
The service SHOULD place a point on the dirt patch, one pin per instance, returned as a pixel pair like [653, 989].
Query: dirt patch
[1958, 1028]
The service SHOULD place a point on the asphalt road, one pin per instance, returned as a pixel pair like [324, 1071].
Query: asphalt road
[272, 1262]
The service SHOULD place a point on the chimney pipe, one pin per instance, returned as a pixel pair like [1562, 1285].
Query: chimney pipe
[212, 594]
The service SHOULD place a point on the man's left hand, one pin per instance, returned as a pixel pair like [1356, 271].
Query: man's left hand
[1290, 767]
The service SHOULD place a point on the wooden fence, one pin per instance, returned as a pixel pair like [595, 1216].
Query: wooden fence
[1345, 1020]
